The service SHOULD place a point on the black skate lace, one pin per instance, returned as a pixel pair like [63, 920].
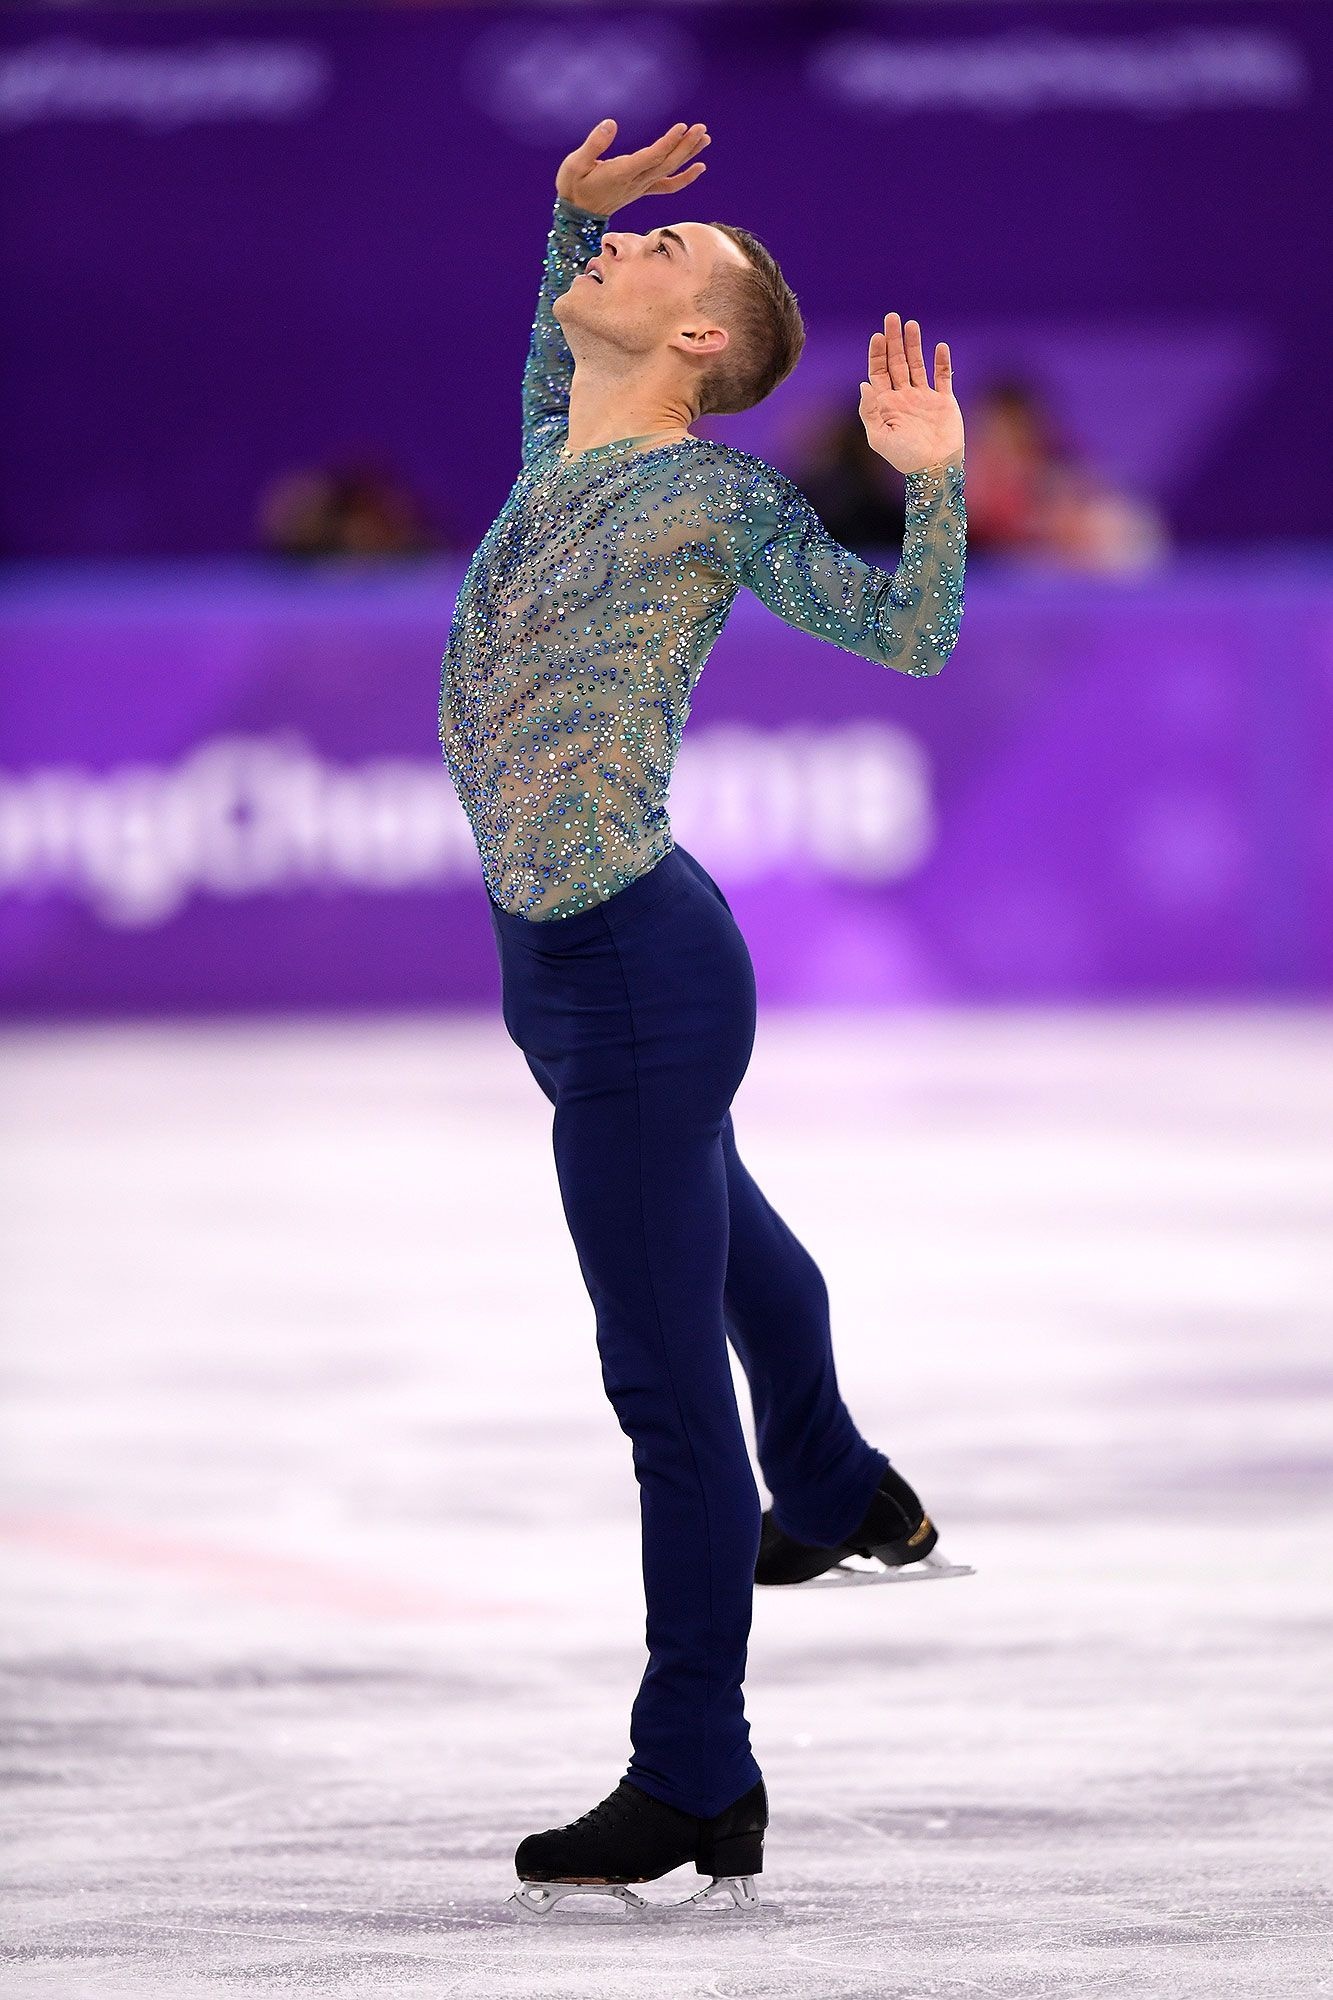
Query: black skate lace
[602, 1810]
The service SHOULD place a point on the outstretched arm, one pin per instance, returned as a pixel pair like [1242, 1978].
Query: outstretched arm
[907, 618]
[575, 236]
[589, 188]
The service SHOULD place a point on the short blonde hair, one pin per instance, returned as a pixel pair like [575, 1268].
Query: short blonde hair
[759, 310]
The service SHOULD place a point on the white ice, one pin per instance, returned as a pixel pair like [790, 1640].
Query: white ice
[320, 1541]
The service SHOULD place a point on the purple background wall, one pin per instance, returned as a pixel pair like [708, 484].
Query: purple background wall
[230, 798]
[232, 240]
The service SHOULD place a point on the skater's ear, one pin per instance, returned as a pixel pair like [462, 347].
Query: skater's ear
[700, 338]
[747, 294]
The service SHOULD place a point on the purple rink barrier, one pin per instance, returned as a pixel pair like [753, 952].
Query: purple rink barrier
[221, 789]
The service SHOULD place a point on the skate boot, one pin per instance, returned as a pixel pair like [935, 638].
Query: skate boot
[896, 1542]
[633, 1837]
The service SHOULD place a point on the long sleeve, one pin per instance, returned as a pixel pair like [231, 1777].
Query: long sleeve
[575, 236]
[907, 618]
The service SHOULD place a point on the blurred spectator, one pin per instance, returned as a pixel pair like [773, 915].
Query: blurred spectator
[856, 494]
[1029, 493]
[354, 508]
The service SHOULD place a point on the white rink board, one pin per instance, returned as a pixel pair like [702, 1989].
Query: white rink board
[320, 1541]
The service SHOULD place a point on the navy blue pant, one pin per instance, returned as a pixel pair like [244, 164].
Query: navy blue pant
[637, 1019]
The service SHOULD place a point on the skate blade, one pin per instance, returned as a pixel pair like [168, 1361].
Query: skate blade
[729, 1898]
[855, 1570]
[536, 1900]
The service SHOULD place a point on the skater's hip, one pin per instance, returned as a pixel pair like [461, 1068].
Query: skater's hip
[661, 961]
[674, 899]
[610, 914]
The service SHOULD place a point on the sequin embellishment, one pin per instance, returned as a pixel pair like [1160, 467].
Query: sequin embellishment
[589, 609]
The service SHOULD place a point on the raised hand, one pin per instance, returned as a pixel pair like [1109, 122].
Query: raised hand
[907, 421]
[602, 186]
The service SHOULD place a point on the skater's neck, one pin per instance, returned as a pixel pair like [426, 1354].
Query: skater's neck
[609, 403]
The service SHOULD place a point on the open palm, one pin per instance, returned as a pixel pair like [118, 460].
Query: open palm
[601, 185]
[907, 421]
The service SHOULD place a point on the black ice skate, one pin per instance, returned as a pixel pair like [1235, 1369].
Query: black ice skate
[633, 1837]
[895, 1543]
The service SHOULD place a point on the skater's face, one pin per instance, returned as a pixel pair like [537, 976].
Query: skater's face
[641, 293]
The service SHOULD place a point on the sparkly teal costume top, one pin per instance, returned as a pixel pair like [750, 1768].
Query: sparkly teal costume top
[587, 613]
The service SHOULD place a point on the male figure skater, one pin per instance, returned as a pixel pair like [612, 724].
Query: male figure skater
[581, 628]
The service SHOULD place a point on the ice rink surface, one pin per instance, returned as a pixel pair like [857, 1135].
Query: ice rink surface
[320, 1541]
